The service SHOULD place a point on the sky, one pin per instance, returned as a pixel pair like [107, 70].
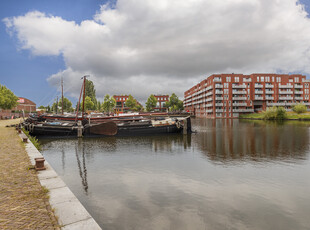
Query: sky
[143, 47]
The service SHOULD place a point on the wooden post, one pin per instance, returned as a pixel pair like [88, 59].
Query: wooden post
[80, 129]
[185, 126]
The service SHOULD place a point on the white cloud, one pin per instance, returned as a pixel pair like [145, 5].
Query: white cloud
[143, 46]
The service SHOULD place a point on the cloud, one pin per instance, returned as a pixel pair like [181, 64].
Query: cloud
[141, 47]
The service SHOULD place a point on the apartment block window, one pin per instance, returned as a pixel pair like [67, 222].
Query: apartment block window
[248, 91]
[236, 79]
[228, 79]
[272, 79]
[226, 85]
[225, 91]
[307, 97]
[257, 78]
[307, 85]
[262, 79]
[296, 79]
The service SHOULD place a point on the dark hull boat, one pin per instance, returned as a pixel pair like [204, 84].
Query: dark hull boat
[110, 128]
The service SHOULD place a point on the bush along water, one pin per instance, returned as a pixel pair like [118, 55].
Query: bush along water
[300, 108]
[34, 140]
[275, 113]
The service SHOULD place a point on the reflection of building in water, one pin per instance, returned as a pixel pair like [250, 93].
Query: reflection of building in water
[169, 142]
[255, 140]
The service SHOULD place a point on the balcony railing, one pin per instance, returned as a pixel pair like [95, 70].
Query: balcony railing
[238, 98]
[269, 98]
[286, 86]
[298, 86]
[269, 92]
[238, 92]
[299, 98]
[240, 104]
[217, 86]
[209, 99]
[219, 104]
[275, 104]
[258, 86]
[285, 98]
[298, 92]
[218, 92]
[258, 98]
[217, 79]
[243, 110]
[285, 92]
[238, 86]
[269, 86]
[219, 98]
[209, 105]
[209, 110]
[219, 110]
[259, 91]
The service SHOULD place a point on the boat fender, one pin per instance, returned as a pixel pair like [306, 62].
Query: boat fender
[31, 128]
[178, 124]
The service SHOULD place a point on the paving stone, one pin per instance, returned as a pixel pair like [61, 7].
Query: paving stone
[82, 225]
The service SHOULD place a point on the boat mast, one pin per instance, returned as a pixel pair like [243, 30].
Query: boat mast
[84, 97]
[62, 96]
[77, 110]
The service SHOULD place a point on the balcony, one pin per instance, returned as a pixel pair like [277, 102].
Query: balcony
[218, 86]
[219, 110]
[269, 86]
[243, 110]
[299, 98]
[238, 86]
[285, 92]
[298, 92]
[238, 92]
[219, 104]
[217, 79]
[219, 98]
[298, 86]
[209, 94]
[239, 104]
[258, 98]
[209, 110]
[285, 98]
[275, 104]
[269, 98]
[238, 98]
[286, 86]
[269, 92]
[209, 105]
[258, 86]
[247, 79]
[218, 92]
[209, 99]
[259, 91]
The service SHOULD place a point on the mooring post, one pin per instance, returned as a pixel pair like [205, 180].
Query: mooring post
[80, 133]
[185, 126]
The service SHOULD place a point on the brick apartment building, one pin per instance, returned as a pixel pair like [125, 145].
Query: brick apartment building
[120, 104]
[228, 95]
[161, 99]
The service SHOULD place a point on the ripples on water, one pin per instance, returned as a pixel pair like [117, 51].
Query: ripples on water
[231, 174]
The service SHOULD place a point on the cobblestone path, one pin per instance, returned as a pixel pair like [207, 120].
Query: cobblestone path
[23, 201]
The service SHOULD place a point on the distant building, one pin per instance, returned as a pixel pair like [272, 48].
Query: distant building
[120, 104]
[25, 105]
[228, 95]
[161, 100]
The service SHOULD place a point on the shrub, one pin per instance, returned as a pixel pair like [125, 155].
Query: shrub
[300, 108]
[275, 113]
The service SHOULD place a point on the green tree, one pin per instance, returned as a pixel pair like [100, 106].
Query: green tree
[90, 91]
[300, 108]
[275, 113]
[109, 103]
[131, 102]
[67, 105]
[8, 100]
[174, 104]
[151, 103]
[89, 104]
[41, 107]
[138, 108]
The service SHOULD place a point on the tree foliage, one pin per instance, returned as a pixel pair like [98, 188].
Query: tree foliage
[108, 103]
[131, 102]
[300, 108]
[8, 100]
[151, 103]
[90, 92]
[67, 105]
[89, 104]
[174, 104]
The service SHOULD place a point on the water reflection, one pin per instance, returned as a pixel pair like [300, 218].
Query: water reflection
[232, 140]
[229, 175]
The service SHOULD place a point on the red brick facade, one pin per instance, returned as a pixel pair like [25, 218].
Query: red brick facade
[228, 95]
[161, 99]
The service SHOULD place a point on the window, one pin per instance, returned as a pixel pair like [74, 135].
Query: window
[236, 79]
[258, 79]
[262, 79]
[228, 79]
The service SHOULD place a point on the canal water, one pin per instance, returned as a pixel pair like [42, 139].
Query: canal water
[231, 174]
